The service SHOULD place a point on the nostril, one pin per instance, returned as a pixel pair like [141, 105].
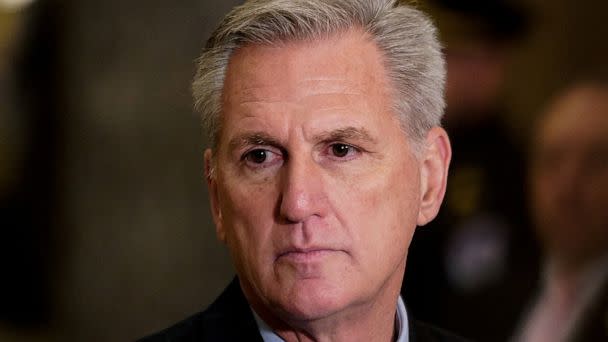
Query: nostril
[294, 206]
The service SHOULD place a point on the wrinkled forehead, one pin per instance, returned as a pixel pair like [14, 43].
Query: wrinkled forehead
[350, 55]
[341, 69]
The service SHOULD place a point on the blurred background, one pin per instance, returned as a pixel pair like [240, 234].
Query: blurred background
[104, 221]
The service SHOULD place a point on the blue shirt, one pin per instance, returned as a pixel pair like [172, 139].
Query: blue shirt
[402, 326]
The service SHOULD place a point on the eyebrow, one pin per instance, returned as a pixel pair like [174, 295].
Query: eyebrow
[262, 138]
[346, 133]
[252, 138]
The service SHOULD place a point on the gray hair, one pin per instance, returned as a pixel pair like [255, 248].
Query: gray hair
[405, 36]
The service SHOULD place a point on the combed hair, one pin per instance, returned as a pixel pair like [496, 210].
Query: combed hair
[406, 38]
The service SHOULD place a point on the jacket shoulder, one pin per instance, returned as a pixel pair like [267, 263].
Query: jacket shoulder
[187, 330]
[422, 332]
[229, 318]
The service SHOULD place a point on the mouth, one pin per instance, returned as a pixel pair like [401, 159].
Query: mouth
[300, 255]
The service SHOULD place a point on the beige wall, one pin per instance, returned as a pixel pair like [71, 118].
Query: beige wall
[133, 248]
[138, 248]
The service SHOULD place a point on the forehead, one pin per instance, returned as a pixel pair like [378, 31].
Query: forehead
[580, 117]
[345, 62]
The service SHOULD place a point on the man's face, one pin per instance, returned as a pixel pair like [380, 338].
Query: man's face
[570, 175]
[315, 190]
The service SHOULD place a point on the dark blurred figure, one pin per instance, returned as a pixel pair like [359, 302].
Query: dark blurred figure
[27, 160]
[569, 182]
[471, 269]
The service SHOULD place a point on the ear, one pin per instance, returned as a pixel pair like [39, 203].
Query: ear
[435, 160]
[216, 211]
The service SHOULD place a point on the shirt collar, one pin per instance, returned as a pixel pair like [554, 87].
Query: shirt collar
[403, 331]
[401, 322]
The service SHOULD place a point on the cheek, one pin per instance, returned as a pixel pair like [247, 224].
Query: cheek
[247, 218]
[381, 211]
[599, 184]
[596, 199]
[542, 191]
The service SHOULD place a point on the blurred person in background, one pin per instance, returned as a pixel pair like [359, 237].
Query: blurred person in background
[478, 255]
[569, 197]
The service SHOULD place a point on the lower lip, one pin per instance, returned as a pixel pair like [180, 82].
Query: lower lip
[306, 256]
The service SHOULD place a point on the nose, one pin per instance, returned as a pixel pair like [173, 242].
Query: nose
[302, 191]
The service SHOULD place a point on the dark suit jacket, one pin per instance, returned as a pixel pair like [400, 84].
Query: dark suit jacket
[593, 322]
[229, 318]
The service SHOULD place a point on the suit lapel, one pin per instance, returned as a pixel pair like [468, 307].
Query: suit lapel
[229, 318]
[593, 322]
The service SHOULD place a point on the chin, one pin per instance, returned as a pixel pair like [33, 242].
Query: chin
[311, 300]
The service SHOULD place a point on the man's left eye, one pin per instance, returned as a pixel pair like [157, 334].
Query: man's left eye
[342, 150]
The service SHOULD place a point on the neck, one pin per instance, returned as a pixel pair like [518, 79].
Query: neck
[568, 268]
[567, 275]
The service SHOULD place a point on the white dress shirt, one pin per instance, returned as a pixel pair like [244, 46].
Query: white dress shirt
[559, 305]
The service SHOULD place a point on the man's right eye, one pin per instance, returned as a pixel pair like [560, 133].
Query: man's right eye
[256, 156]
[261, 157]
